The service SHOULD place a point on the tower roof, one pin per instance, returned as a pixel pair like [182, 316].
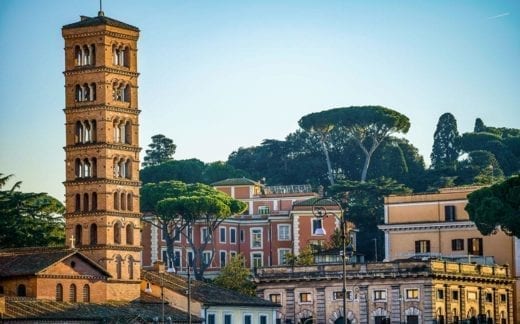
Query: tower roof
[98, 21]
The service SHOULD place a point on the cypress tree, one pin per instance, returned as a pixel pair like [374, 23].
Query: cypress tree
[445, 150]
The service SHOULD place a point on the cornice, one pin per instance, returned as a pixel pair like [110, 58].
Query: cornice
[427, 226]
[93, 69]
[133, 248]
[85, 108]
[101, 33]
[83, 181]
[89, 277]
[121, 147]
[99, 213]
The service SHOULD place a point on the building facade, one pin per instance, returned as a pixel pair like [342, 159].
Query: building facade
[431, 291]
[279, 220]
[437, 225]
[102, 149]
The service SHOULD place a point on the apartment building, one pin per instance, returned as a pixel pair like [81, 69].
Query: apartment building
[436, 225]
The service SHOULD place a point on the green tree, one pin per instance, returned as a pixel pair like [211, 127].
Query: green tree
[161, 150]
[497, 206]
[367, 126]
[188, 171]
[236, 276]
[179, 207]
[446, 147]
[365, 208]
[29, 219]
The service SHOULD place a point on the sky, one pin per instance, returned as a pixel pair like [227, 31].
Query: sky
[220, 75]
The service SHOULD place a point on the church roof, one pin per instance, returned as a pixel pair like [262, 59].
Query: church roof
[31, 261]
[98, 21]
[143, 310]
[236, 182]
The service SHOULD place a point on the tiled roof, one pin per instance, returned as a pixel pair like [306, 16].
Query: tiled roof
[236, 182]
[30, 261]
[99, 20]
[312, 202]
[144, 309]
[208, 294]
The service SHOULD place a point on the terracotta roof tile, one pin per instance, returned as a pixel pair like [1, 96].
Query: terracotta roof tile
[98, 21]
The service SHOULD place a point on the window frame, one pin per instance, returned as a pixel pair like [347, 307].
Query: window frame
[203, 230]
[421, 245]
[222, 238]
[286, 236]
[253, 238]
[457, 245]
[256, 253]
[275, 300]
[338, 295]
[379, 295]
[411, 297]
[220, 254]
[233, 235]
[316, 220]
[307, 300]
[280, 250]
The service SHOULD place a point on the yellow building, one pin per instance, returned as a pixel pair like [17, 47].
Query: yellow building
[436, 225]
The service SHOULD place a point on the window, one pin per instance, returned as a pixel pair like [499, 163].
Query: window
[412, 294]
[263, 319]
[72, 293]
[472, 295]
[242, 236]
[21, 291]
[489, 297]
[205, 235]
[189, 259]
[130, 268]
[232, 254]
[282, 256]
[284, 233]
[449, 213]
[457, 245]
[338, 295]
[256, 259]
[305, 297]
[222, 235]
[59, 292]
[503, 298]
[118, 267]
[382, 320]
[206, 257]
[232, 235]
[256, 238]
[263, 210]
[211, 319]
[422, 246]
[275, 298]
[475, 246]
[379, 295]
[223, 259]
[117, 233]
[228, 319]
[77, 238]
[247, 319]
[130, 234]
[86, 294]
[440, 294]
[317, 224]
[455, 295]
[177, 234]
[177, 258]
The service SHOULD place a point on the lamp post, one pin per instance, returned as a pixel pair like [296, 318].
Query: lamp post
[320, 211]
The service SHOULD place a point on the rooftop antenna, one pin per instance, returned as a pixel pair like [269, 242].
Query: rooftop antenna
[100, 12]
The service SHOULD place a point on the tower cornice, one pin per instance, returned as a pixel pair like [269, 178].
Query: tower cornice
[103, 181]
[90, 107]
[98, 213]
[110, 146]
[106, 69]
[101, 33]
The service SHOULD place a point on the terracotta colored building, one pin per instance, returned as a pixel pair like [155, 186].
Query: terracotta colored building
[436, 225]
[279, 220]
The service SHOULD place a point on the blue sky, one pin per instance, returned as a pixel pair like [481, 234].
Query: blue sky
[219, 75]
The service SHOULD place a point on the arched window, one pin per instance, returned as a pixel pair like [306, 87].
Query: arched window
[59, 292]
[118, 267]
[130, 267]
[93, 234]
[130, 201]
[77, 235]
[86, 55]
[21, 291]
[128, 168]
[128, 133]
[78, 134]
[123, 201]
[130, 234]
[87, 166]
[116, 200]
[77, 55]
[117, 233]
[78, 93]
[117, 171]
[78, 203]
[93, 171]
[86, 293]
[85, 202]
[126, 57]
[72, 293]
[94, 201]
[86, 92]
[78, 168]
[126, 93]
[93, 139]
[92, 54]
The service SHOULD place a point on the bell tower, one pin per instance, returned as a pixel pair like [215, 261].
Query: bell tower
[102, 149]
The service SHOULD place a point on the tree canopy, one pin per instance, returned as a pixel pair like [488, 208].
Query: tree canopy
[236, 276]
[29, 219]
[367, 126]
[446, 147]
[179, 206]
[161, 150]
[497, 206]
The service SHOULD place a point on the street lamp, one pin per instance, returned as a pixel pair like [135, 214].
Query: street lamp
[320, 211]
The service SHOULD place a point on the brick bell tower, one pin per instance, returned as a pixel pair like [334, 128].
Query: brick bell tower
[102, 149]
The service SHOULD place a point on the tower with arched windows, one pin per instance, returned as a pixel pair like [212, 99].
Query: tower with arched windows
[102, 149]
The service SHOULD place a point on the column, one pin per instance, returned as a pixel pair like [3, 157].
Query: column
[462, 298]
[364, 316]
[321, 308]
[395, 306]
[429, 309]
